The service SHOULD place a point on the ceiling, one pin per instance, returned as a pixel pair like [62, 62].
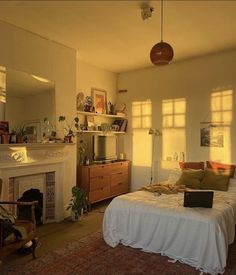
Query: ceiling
[112, 35]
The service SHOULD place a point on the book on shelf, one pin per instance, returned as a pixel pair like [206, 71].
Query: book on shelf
[122, 123]
[120, 114]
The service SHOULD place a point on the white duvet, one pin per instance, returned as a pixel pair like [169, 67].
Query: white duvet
[196, 236]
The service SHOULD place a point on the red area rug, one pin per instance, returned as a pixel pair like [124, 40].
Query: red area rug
[92, 256]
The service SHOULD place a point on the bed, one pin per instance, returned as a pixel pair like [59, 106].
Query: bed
[196, 236]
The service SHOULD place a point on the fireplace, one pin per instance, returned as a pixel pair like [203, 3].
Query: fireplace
[24, 211]
[35, 167]
[40, 187]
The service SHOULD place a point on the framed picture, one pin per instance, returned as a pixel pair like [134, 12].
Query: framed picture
[212, 134]
[33, 131]
[90, 122]
[4, 127]
[99, 100]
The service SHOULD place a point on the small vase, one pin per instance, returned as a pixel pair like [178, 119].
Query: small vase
[68, 139]
[75, 216]
[5, 139]
[20, 139]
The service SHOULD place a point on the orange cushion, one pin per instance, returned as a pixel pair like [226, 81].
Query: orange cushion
[227, 169]
[192, 165]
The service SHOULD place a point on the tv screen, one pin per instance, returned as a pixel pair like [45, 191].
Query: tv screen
[104, 148]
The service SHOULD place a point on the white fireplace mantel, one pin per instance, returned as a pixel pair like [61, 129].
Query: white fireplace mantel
[18, 160]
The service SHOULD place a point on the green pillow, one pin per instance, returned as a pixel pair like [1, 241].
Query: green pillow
[191, 178]
[214, 180]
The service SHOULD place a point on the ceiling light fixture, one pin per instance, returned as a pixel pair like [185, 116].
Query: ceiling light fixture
[146, 11]
[161, 53]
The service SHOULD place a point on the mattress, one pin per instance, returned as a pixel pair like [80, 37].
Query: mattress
[160, 224]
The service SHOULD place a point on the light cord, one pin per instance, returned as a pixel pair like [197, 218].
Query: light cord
[161, 20]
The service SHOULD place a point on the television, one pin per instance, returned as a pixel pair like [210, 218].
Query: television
[104, 148]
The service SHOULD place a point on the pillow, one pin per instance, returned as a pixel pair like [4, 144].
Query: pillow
[232, 182]
[191, 178]
[192, 165]
[226, 169]
[232, 185]
[213, 180]
[174, 176]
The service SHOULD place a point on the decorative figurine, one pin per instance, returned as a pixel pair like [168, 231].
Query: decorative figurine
[88, 105]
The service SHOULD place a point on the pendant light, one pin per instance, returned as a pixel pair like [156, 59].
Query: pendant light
[161, 53]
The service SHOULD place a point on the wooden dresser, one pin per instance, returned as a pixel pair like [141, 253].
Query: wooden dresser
[102, 181]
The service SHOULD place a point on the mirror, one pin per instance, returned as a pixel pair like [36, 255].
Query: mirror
[29, 100]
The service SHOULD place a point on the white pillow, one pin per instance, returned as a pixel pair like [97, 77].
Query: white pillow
[174, 176]
[232, 185]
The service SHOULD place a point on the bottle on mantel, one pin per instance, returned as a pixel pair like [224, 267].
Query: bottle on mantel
[86, 160]
[175, 157]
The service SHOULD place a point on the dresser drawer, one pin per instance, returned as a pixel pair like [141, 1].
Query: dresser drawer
[118, 178]
[99, 194]
[99, 182]
[119, 167]
[119, 189]
[100, 170]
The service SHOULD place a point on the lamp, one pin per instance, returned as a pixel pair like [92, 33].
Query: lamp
[161, 53]
[154, 133]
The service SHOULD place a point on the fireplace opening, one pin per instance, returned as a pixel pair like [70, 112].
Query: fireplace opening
[24, 211]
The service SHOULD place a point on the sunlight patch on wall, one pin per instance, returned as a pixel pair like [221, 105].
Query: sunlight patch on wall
[142, 142]
[173, 127]
[142, 149]
[221, 112]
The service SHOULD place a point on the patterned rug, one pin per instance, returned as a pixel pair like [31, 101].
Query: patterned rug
[92, 256]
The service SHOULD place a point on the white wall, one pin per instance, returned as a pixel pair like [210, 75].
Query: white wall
[24, 51]
[195, 81]
[89, 77]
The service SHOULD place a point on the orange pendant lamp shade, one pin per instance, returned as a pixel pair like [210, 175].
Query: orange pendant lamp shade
[161, 53]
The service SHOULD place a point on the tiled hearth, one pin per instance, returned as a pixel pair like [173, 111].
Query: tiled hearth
[34, 166]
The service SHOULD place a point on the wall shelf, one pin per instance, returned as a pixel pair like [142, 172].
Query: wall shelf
[101, 115]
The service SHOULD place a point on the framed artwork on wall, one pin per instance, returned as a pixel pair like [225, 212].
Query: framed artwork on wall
[99, 100]
[212, 134]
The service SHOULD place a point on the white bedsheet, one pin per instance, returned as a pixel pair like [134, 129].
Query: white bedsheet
[196, 236]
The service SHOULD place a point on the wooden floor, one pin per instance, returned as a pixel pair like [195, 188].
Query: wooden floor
[55, 235]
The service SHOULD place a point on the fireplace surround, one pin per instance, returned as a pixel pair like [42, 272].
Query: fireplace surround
[29, 160]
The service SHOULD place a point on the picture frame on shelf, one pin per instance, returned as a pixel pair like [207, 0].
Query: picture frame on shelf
[33, 131]
[90, 123]
[4, 127]
[99, 98]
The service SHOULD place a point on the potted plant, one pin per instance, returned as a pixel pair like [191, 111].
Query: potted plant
[78, 202]
[20, 134]
[49, 132]
[69, 128]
